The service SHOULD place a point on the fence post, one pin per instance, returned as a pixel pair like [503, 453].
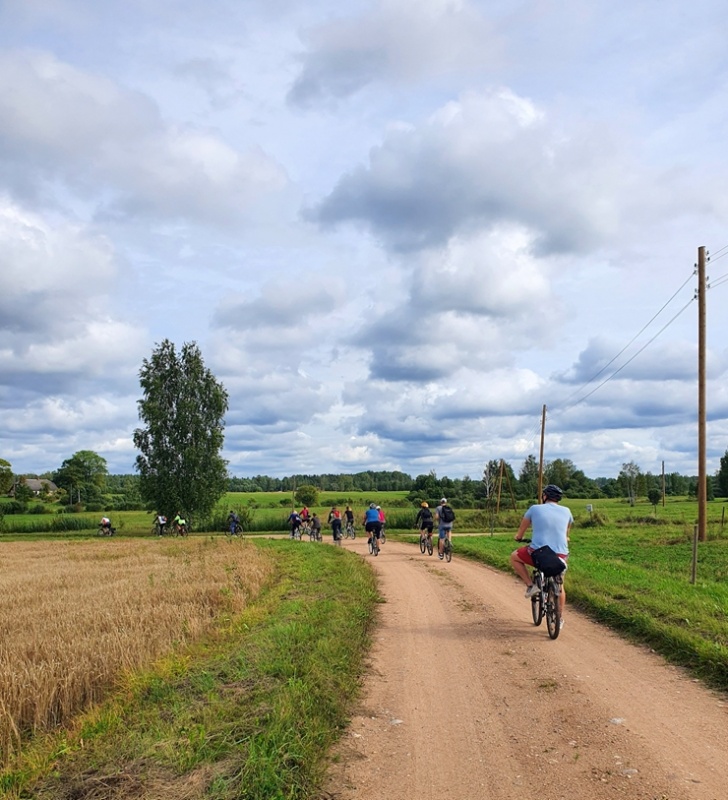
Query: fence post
[694, 570]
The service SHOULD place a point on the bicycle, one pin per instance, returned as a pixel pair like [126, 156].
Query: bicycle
[105, 530]
[382, 536]
[447, 549]
[234, 529]
[373, 544]
[305, 528]
[159, 529]
[314, 534]
[350, 531]
[296, 533]
[546, 602]
[425, 543]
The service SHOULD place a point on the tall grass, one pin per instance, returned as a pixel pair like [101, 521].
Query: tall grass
[75, 616]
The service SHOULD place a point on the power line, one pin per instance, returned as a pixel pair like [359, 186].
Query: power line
[630, 360]
[630, 342]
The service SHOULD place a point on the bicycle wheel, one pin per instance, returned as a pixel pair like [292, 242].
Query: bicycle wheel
[428, 544]
[553, 611]
[448, 551]
[537, 601]
[370, 543]
[423, 544]
[383, 538]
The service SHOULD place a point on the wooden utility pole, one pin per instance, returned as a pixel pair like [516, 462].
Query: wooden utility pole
[500, 487]
[540, 459]
[702, 466]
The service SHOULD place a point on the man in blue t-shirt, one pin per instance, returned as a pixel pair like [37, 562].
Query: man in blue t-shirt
[551, 524]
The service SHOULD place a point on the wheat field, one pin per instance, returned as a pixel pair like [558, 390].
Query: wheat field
[75, 616]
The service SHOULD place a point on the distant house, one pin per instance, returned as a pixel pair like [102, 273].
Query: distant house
[36, 485]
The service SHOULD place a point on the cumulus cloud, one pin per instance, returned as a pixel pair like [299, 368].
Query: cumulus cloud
[474, 301]
[487, 159]
[111, 146]
[398, 40]
[55, 312]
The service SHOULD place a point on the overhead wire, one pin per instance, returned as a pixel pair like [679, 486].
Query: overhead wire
[568, 407]
[629, 343]
[630, 360]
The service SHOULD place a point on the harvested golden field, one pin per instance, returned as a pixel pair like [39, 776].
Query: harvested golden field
[74, 616]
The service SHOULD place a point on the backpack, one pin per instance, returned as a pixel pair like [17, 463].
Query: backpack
[548, 561]
[447, 515]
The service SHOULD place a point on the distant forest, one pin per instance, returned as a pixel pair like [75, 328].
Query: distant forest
[498, 479]
[498, 482]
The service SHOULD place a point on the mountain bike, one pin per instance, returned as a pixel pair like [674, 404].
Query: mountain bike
[447, 549]
[314, 534]
[425, 543]
[373, 544]
[106, 530]
[382, 536]
[349, 531]
[234, 529]
[546, 603]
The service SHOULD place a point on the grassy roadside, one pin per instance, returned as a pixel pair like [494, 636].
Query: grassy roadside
[250, 712]
[638, 582]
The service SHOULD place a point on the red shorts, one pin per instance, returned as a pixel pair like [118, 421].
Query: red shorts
[524, 554]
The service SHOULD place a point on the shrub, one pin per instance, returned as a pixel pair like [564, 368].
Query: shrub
[38, 508]
[596, 519]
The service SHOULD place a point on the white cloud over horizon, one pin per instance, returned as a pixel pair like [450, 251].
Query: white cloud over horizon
[396, 229]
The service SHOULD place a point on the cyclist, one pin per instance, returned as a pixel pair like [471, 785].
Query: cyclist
[372, 523]
[161, 522]
[316, 526]
[383, 521]
[105, 526]
[304, 514]
[424, 520]
[349, 517]
[551, 524]
[335, 522]
[294, 522]
[445, 518]
[180, 523]
[233, 521]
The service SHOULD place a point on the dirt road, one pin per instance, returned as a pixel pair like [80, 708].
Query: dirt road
[465, 698]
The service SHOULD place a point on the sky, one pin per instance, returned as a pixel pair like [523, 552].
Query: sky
[396, 229]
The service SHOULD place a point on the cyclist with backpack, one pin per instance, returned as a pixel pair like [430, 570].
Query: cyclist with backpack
[445, 519]
[550, 525]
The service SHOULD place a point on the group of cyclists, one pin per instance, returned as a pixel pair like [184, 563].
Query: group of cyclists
[444, 517]
[550, 522]
[305, 521]
[179, 525]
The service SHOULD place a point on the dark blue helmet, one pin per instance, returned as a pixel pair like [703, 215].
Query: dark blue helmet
[553, 492]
